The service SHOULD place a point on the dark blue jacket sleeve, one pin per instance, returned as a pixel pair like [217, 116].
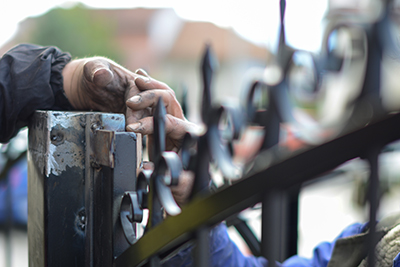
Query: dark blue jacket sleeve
[30, 79]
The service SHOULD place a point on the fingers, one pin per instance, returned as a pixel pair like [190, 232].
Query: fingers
[135, 116]
[175, 128]
[144, 82]
[182, 190]
[142, 72]
[140, 105]
[149, 99]
[148, 165]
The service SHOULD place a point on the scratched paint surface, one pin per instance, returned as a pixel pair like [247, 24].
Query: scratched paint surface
[65, 149]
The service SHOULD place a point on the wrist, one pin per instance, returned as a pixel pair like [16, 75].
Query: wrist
[72, 78]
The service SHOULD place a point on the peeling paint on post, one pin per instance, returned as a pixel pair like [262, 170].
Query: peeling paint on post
[75, 187]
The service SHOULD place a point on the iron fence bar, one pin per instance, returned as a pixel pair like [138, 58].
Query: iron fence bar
[273, 203]
[272, 234]
[246, 233]
[280, 233]
[202, 251]
[373, 197]
[283, 172]
[201, 183]
[292, 222]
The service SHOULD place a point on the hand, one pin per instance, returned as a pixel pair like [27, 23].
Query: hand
[182, 190]
[176, 125]
[99, 84]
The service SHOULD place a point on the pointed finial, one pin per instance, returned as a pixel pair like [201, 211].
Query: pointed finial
[207, 66]
[283, 9]
[282, 31]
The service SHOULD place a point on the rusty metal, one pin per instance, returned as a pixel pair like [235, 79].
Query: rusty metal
[104, 150]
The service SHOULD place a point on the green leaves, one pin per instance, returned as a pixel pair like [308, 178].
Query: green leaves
[81, 31]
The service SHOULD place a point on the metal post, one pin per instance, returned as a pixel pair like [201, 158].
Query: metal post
[80, 164]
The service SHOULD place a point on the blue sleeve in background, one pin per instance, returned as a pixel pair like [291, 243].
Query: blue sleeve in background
[224, 252]
[323, 252]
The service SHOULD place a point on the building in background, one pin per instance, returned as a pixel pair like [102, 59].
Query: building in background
[157, 40]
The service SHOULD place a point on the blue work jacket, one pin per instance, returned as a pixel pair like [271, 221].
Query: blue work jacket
[224, 252]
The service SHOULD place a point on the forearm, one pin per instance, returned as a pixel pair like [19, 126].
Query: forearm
[30, 79]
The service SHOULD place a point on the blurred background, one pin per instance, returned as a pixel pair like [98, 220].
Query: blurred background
[167, 40]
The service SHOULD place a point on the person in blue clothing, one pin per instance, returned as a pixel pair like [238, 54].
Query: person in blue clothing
[224, 252]
[34, 77]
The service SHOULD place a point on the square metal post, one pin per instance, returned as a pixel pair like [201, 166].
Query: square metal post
[80, 164]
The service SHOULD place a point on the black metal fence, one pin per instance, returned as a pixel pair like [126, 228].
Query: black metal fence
[88, 200]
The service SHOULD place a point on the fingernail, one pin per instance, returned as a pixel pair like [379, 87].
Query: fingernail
[134, 126]
[141, 72]
[142, 78]
[135, 99]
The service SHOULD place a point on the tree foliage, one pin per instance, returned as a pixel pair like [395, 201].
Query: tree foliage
[77, 30]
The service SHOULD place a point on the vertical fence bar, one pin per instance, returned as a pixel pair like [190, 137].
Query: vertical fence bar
[373, 197]
[274, 208]
[202, 251]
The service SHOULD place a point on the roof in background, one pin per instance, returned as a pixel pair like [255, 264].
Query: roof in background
[135, 35]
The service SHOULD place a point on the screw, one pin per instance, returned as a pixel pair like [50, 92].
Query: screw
[56, 137]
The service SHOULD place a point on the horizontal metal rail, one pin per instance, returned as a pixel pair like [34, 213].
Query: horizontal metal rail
[286, 169]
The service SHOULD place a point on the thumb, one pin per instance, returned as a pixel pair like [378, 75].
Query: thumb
[97, 72]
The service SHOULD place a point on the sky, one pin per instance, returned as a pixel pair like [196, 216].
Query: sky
[255, 20]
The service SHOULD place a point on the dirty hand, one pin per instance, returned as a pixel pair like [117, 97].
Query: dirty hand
[140, 109]
[99, 84]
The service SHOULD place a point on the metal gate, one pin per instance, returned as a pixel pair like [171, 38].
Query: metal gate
[85, 199]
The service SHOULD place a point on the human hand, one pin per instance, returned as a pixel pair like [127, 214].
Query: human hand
[99, 84]
[140, 110]
[182, 190]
